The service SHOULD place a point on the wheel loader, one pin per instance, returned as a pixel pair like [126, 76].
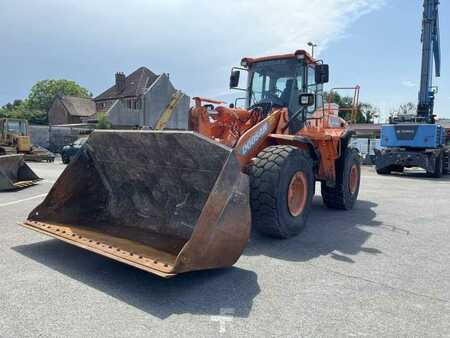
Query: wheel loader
[15, 139]
[169, 202]
[14, 144]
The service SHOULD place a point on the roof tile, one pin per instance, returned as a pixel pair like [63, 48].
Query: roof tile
[135, 84]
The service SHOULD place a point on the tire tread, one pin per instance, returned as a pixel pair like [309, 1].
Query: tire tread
[265, 174]
[335, 197]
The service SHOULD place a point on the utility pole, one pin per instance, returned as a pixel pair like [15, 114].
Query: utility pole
[312, 45]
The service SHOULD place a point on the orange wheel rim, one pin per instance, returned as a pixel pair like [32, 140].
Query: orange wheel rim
[353, 181]
[297, 194]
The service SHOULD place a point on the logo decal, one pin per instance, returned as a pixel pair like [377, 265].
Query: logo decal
[254, 139]
[406, 132]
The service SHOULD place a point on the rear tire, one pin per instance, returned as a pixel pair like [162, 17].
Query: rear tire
[65, 159]
[446, 163]
[398, 169]
[281, 190]
[348, 178]
[438, 167]
[384, 171]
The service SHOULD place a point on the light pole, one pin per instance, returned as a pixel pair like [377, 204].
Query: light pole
[312, 45]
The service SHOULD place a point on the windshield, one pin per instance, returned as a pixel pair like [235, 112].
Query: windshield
[16, 127]
[277, 82]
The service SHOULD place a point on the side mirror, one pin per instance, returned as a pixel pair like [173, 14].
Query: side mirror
[306, 99]
[234, 78]
[322, 74]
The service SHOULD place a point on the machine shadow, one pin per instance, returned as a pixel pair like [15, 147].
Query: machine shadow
[419, 175]
[329, 232]
[201, 292]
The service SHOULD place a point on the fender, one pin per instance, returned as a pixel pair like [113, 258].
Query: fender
[298, 141]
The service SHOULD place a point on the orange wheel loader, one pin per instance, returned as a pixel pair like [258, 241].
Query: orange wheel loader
[170, 202]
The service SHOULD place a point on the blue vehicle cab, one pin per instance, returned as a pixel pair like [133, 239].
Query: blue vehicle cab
[413, 136]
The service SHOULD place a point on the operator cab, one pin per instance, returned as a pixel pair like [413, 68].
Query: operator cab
[278, 81]
[14, 127]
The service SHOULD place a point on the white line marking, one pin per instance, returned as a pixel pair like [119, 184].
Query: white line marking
[24, 200]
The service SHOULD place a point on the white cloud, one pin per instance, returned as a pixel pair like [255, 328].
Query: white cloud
[197, 41]
[408, 83]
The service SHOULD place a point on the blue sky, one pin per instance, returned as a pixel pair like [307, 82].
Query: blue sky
[374, 43]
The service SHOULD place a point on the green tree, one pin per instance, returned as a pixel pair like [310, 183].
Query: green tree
[36, 106]
[103, 122]
[20, 110]
[43, 93]
[407, 109]
[13, 105]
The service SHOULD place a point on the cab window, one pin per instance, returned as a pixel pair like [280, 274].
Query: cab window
[16, 127]
[316, 89]
[277, 82]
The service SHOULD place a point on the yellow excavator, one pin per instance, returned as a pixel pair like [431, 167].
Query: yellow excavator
[15, 148]
[15, 139]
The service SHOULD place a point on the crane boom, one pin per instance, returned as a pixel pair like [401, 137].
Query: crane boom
[431, 51]
[419, 141]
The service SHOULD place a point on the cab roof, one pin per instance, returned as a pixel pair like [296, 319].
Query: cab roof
[309, 59]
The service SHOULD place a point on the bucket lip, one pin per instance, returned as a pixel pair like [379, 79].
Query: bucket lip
[11, 155]
[139, 261]
[25, 184]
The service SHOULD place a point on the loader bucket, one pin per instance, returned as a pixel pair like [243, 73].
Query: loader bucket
[15, 173]
[165, 202]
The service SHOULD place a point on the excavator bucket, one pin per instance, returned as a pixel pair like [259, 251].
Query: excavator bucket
[15, 173]
[165, 202]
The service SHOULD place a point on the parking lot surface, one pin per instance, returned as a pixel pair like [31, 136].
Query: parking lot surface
[381, 269]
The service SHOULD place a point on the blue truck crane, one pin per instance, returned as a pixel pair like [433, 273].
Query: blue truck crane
[417, 140]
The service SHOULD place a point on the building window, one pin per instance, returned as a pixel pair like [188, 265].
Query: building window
[133, 104]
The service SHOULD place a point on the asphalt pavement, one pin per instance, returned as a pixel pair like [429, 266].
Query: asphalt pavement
[382, 269]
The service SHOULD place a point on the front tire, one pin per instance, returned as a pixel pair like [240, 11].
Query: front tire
[281, 190]
[348, 178]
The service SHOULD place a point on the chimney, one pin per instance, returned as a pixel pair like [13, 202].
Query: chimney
[120, 81]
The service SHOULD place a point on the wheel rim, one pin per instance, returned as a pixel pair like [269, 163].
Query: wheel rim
[353, 181]
[297, 194]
